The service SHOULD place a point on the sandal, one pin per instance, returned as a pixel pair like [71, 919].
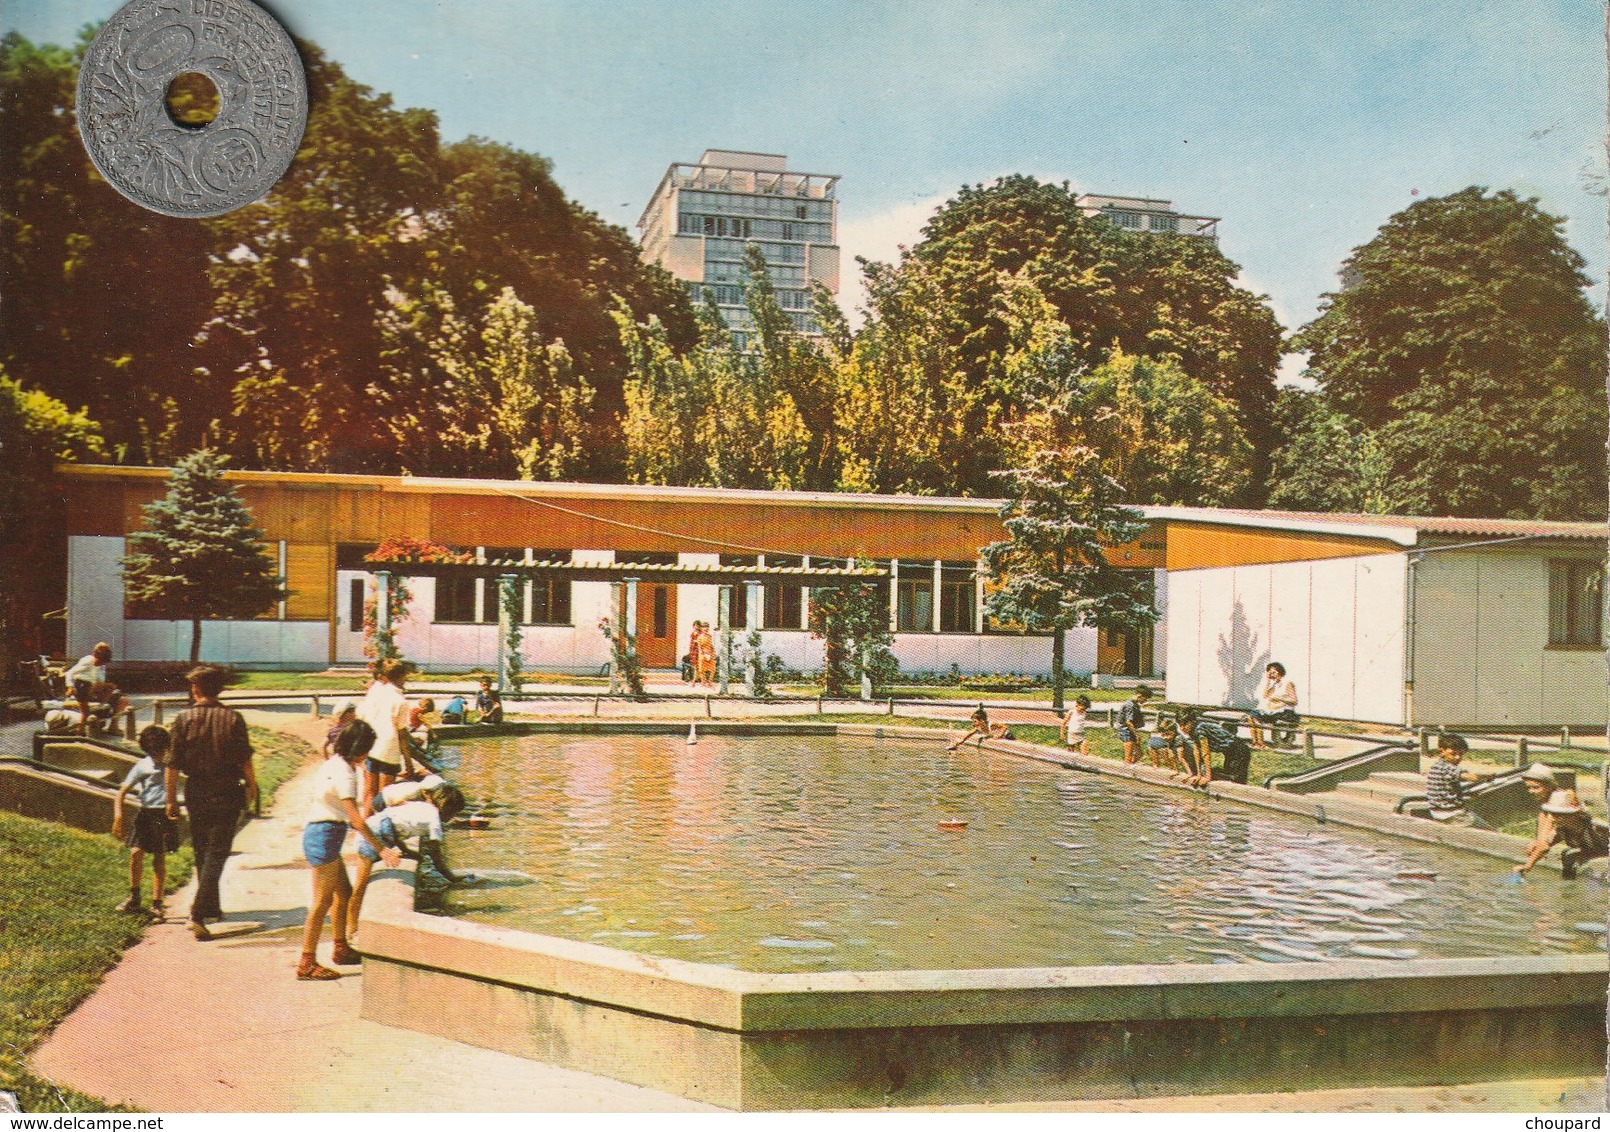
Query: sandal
[344, 955]
[310, 969]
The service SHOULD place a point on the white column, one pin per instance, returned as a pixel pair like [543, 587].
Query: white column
[894, 595]
[723, 635]
[503, 580]
[933, 612]
[755, 623]
[630, 618]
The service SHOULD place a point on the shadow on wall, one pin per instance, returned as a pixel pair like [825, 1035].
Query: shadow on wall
[1241, 661]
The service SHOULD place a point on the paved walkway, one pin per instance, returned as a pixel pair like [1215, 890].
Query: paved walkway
[249, 1038]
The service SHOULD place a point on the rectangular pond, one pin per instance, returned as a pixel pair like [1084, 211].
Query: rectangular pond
[811, 853]
[794, 920]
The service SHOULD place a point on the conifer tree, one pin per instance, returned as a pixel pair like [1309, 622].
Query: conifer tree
[1063, 510]
[199, 558]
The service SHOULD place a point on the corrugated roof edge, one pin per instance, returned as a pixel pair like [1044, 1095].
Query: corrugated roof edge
[1405, 530]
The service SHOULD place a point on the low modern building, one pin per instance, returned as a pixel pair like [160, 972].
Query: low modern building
[320, 527]
[702, 217]
[1378, 618]
[1413, 621]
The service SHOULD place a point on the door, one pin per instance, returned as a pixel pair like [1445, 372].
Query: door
[656, 625]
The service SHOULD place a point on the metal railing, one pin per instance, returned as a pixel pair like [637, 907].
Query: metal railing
[1383, 757]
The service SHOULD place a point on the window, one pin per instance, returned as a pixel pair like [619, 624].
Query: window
[662, 609]
[355, 605]
[1163, 223]
[914, 605]
[957, 603]
[1576, 604]
[1124, 219]
[455, 599]
[782, 600]
[550, 597]
[738, 611]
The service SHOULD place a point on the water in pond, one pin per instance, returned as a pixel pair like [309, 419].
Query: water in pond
[804, 853]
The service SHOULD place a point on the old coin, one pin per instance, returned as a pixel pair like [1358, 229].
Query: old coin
[178, 169]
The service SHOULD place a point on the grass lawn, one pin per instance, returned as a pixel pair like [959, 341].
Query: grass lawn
[58, 936]
[58, 933]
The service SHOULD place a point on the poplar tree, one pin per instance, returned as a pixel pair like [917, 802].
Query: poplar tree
[199, 558]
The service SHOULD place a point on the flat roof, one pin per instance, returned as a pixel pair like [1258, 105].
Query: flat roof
[1406, 530]
[559, 489]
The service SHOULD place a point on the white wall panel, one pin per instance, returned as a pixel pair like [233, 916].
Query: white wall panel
[1447, 634]
[1333, 638]
[95, 595]
[1334, 624]
[1512, 630]
[1184, 632]
[1378, 638]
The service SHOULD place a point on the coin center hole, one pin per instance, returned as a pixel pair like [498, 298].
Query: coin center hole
[192, 100]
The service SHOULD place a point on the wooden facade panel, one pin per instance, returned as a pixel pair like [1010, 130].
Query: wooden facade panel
[330, 511]
[1196, 546]
[705, 527]
[310, 576]
[96, 509]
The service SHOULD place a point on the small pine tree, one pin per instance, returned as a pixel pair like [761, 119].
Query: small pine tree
[1063, 513]
[1063, 509]
[199, 558]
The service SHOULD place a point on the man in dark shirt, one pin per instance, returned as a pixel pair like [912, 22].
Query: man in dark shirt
[211, 749]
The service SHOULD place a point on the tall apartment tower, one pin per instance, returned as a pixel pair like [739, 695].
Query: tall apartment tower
[1142, 214]
[703, 216]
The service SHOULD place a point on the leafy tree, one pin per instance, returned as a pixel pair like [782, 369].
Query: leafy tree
[719, 417]
[1153, 296]
[489, 401]
[1465, 342]
[198, 557]
[101, 295]
[36, 432]
[853, 621]
[1164, 435]
[1062, 513]
[1169, 438]
[911, 417]
[1332, 462]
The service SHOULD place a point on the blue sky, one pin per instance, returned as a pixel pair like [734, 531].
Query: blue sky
[1304, 124]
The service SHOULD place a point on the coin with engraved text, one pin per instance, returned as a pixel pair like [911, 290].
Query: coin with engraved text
[156, 157]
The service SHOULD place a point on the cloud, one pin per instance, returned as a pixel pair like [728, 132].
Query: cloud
[878, 237]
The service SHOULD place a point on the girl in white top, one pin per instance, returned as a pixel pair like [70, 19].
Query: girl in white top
[385, 709]
[333, 810]
[1073, 724]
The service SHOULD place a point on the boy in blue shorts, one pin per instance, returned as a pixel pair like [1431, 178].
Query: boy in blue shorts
[152, 831]
[1131, 721]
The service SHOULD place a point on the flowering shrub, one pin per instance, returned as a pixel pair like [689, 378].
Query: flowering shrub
[378, 643]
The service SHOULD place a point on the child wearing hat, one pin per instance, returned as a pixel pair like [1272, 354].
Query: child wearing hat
[1561, 819]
